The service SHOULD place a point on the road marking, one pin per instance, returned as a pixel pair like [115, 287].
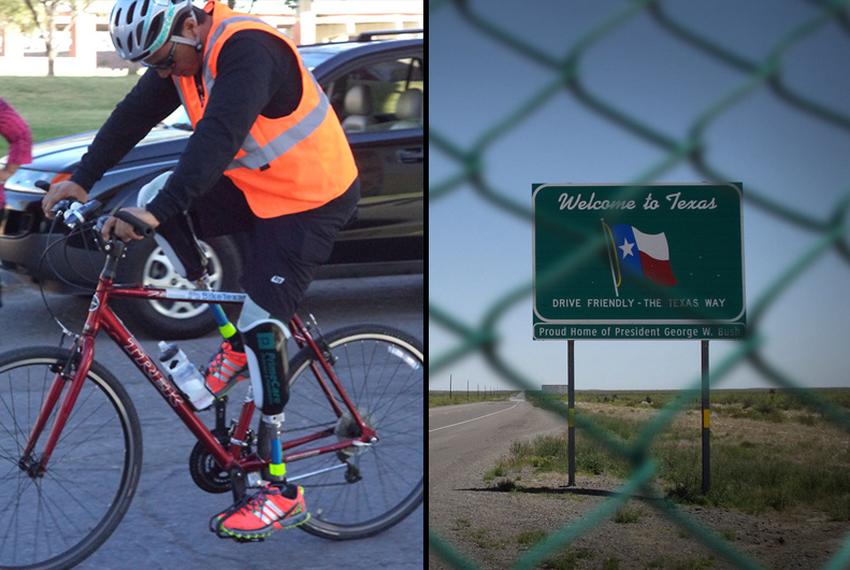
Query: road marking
[473, 419]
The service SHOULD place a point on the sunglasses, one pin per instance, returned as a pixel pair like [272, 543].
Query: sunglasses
[168, 61]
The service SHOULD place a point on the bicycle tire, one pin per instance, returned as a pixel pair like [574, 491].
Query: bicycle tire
[31, 366]
[329, 513]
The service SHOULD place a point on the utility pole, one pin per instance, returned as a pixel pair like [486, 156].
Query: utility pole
[450, 387]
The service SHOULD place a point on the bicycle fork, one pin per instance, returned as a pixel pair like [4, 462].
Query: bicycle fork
[83, 352]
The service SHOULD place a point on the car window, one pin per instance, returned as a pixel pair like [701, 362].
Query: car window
[380, 96]
[178, 119]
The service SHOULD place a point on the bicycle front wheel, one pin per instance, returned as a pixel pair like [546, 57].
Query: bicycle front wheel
[361, 491]
[58, 519]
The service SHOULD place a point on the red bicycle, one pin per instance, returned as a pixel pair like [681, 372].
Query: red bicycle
[354, 420]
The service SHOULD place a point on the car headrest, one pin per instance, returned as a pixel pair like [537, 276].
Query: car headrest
[409, 106]
[358, 100]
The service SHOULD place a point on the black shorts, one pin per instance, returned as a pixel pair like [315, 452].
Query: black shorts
[279, 255]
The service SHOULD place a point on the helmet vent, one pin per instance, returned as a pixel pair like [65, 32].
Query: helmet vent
[117, 17]
[130, 11]
[130, 43]
[138, 30]
[144, 10]
[153, 32]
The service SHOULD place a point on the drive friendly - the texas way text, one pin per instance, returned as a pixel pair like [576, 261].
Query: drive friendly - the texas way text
[628, 303]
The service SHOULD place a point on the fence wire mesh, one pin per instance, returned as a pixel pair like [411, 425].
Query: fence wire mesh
[827, 234]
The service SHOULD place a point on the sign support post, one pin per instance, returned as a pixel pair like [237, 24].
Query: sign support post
[706, 421]
[571, 413]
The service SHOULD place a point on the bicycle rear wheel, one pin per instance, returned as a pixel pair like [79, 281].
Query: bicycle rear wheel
[381, 369]
[57, 520]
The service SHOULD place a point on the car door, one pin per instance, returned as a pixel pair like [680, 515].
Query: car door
[379, 99]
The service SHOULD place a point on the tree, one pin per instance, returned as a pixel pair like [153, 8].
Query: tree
[40, 15]
[248, 5]
[15, 12]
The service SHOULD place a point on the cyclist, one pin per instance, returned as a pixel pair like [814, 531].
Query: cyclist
[267, 159]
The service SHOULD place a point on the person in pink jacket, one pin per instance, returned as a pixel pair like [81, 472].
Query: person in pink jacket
[16, 131]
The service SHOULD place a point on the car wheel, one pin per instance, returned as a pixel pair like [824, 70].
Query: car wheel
[146, 263]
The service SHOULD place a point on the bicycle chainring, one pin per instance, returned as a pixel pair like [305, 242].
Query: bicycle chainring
[205, 472]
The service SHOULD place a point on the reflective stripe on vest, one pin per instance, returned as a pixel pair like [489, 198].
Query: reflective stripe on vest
[257, 156]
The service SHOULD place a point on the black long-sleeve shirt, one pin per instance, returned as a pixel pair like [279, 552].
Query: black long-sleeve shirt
[257, 75]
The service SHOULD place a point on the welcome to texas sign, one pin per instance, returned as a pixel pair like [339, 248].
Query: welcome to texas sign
[648, 262]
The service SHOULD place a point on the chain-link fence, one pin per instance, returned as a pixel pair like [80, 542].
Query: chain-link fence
[826, 235]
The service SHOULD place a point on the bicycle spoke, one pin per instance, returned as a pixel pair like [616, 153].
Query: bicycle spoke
[68, 432]
[8, 457]
[70, 494]
[15, 426]
[18, 429]
[12, 471]
[62, 512]
[415, 432]
[77, 406]
[407, 482]
[13, 518]
[366, 397]
[345, 501]
[388, 385]
[379, 422]
[96, 499]
[16, 442]
[67, 452]
[29, 407]
[290, 412]
[319, 403]
[383, 483]
[389, 406]
[38, 515]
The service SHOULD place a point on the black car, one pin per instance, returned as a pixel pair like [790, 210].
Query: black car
[376, 88]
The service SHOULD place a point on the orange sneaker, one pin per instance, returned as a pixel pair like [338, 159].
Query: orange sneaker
[257, 517]
[227, 367]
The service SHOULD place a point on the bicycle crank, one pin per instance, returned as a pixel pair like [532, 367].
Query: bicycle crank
[205, 471]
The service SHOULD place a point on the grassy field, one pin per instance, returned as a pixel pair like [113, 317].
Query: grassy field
[749, 402]
[442, 398]
[757, 465]
[57, 106]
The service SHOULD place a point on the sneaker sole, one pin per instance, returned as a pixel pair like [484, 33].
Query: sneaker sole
[265, 532]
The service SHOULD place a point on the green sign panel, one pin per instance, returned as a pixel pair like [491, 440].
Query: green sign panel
[651, 262]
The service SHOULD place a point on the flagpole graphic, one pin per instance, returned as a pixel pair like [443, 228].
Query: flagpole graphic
[618, 278]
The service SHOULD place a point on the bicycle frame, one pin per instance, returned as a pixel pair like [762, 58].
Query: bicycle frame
[101, 316]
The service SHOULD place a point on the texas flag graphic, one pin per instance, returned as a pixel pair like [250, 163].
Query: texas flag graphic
[643, 254]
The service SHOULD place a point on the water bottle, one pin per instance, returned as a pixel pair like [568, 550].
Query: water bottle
[185, 375]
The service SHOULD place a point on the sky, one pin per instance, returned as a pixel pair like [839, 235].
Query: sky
[478, 252]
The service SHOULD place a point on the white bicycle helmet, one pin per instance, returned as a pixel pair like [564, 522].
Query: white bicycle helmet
[140, 27]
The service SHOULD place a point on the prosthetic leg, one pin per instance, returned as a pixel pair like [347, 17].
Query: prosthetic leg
[265, 346]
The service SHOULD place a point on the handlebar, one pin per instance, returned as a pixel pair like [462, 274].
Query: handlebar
[73, 213]
[139, 226]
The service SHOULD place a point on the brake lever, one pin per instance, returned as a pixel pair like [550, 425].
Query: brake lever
[60, 207]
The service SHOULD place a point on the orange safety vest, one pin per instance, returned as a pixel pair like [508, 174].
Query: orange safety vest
[286, 165]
